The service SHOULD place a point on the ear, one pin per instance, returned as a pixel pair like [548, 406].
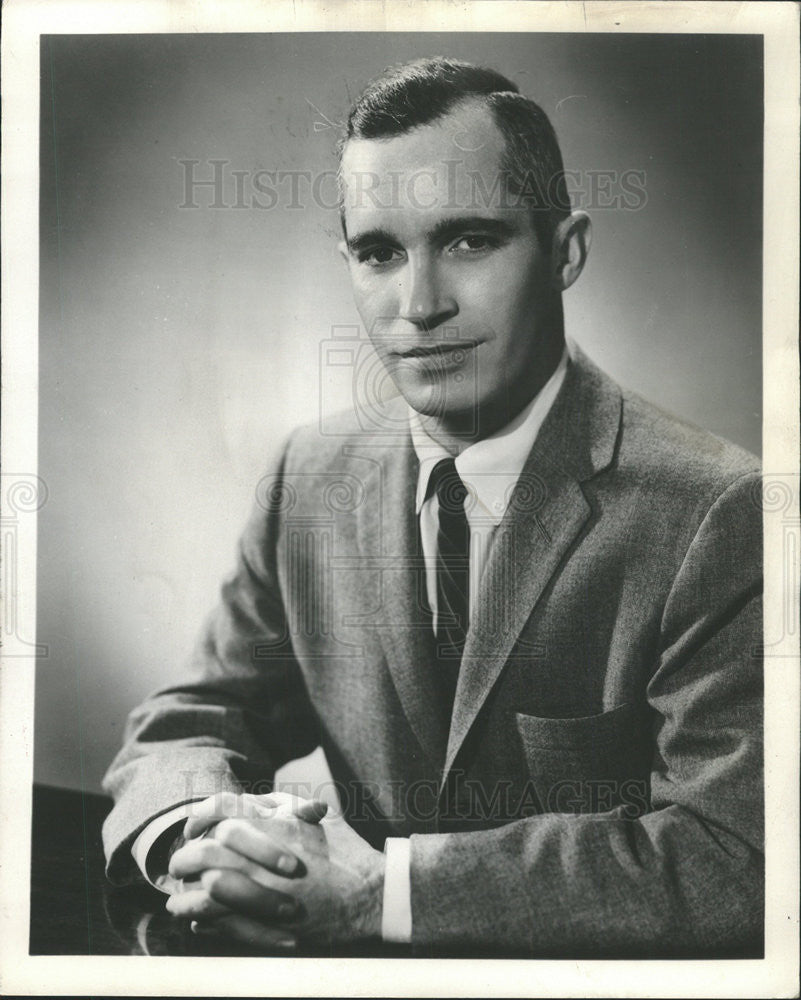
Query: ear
[342, 246]
[571, 244]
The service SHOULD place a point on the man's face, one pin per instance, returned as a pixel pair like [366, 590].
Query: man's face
[453, 288]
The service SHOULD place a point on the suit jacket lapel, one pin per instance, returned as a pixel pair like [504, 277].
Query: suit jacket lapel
[388, 539]
[546, 513]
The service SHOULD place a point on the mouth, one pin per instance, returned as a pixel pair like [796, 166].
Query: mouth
[451, 351]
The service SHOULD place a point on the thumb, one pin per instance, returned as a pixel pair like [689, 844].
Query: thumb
[312, 810]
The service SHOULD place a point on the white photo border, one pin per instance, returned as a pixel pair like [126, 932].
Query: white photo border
[20, 973]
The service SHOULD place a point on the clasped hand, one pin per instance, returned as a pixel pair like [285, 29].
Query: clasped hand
[274, 870]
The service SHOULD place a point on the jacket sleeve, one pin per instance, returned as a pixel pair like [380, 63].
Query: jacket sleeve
[686, 877]
[242, 712]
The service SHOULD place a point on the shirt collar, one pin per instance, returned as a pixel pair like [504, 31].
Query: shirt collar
[491, 467]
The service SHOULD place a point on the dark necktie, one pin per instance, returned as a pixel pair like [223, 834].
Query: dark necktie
[453, 566]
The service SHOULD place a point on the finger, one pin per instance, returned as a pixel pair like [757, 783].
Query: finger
[247, 839]
[211, 810]
[249, 932]
[246, 897]
[285, 800]
[196, 903]
[309, 810]
[312, 810]
[222, 805]
[277, 843]
[198, 855]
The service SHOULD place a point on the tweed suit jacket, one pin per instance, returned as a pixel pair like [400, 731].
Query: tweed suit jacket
[597, 788]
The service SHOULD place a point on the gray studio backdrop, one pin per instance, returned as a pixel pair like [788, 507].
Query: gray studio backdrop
[179, 344]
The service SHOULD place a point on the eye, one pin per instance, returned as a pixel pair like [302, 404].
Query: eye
[378, 256]
[474, 243]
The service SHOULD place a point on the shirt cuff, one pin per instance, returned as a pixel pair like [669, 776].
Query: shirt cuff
[146, 840]
[396, 916]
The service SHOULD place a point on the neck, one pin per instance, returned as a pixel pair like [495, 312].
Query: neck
[457, 431]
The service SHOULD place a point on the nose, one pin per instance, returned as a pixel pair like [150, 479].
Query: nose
[424, 301]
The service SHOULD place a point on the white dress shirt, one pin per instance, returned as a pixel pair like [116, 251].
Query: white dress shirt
[489, 470]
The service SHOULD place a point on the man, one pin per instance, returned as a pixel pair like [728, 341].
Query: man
[522, 616]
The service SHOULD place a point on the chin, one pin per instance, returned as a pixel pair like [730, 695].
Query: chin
[440, 400]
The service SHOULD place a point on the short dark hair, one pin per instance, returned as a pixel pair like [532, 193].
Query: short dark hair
[417, 93]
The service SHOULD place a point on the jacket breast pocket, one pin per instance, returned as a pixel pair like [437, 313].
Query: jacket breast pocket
[588, 765]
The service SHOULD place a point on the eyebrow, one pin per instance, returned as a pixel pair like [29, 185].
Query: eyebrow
[443, 230]
[371, 238]
[447, 228]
